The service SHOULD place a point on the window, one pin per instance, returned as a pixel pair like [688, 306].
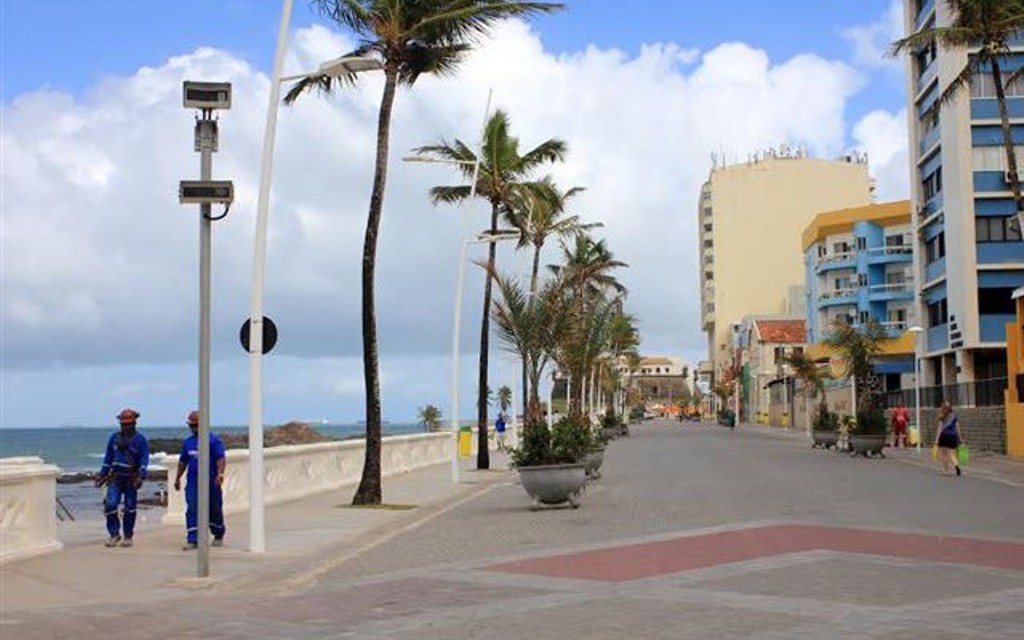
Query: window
[932, 184]
[997, 229]
[935, 248]
[994, 158]
[937, 313]
[822, 251]
[925, 56]
[863, 317]
[840, 247]
[862, 279]
[983, 86]
[996, 301]
[894, 241]
[896, 277]
[862, 244]
[709, 244]
[896, 315]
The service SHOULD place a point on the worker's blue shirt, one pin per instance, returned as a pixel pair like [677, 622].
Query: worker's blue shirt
[190, 455]
[127, 454]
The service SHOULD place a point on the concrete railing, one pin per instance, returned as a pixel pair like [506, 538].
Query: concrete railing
[28, 496]
[297, 471]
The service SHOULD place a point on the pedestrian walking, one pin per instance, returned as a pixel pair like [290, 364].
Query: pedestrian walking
[947, 438]
[189, 461]
[900, 420]
[499, 429]
[123, 471]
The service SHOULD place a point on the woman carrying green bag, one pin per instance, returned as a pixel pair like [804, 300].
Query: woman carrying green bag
[948, 440]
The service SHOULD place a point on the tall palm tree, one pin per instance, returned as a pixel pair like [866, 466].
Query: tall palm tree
[410, 39]
[539, 212]
[502, 177]
[985, 28]
[587, 272]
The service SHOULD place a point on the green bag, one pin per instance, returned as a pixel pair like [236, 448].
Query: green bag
[963, 455]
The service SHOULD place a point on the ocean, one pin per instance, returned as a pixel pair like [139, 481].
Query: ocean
[78, 449]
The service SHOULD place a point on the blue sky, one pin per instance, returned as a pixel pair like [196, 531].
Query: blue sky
[99, 259]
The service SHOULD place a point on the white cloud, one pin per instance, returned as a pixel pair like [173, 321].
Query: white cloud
[100, 261]
[884, 136]
[871, 42]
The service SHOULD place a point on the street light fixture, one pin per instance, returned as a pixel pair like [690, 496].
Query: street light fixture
[481, 238]
[917, 330]
[333, 68]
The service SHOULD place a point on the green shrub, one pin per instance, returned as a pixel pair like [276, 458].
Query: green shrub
[567, 442]
[871, 421]
[825, 420]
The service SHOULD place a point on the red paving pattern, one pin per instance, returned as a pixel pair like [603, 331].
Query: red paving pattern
[650, 559]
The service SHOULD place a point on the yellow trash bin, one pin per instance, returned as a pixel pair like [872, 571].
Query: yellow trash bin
[913, 435]
[465, 442]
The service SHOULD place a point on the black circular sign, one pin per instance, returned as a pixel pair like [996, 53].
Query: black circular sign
[269, 334]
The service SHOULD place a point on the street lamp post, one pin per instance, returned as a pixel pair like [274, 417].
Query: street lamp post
[917, 331]
[482, 238]
[334, 68]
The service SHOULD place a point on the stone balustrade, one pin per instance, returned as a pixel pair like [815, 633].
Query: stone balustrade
[28, 520]
[297, 471]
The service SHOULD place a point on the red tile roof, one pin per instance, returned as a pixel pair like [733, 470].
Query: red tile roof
[782, 331]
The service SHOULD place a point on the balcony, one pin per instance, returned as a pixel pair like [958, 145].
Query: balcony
[890, 254]
[891, 291]
[928, 141]
[837, 297]
[927, 76]
[833, 261]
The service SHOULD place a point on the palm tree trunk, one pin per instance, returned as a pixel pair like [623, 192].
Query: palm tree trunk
[369, 491]
[1011, 156]
[533, 293]
[483, 456]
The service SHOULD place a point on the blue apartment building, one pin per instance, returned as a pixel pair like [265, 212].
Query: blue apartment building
[970, 256]
[858, 267]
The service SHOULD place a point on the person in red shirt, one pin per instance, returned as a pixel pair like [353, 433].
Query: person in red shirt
[900, 420]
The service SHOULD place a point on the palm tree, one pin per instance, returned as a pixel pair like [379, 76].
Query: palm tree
[430, 417]
[857, 346]
[410, 39]
[502, 177]
[504, 398]
[985, 28]
[532, 329]
[540, 212]
[806, 370]
[587, 272]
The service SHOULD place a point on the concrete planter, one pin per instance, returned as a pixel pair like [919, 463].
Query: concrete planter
[593, 462]
[555, 484]
[867, 445]
[825, 439]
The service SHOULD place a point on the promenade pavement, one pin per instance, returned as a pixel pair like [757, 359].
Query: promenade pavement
[693, 531]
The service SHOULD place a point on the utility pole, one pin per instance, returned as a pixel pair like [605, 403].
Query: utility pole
[207, 97]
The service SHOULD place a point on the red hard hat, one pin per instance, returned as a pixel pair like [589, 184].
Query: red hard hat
[128, 415]
[193, 418]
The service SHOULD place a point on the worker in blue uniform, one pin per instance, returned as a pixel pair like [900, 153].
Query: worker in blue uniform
[123, 471]
[189, 460]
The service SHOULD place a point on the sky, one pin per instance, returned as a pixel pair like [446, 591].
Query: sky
[99, 263]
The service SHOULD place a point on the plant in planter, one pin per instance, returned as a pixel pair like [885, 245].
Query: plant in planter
[857, 346]
[869, 432]
[551, 461]
[825, 428]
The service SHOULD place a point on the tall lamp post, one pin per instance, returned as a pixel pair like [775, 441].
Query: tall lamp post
[917, 330]
[334, 68]
[453, 411]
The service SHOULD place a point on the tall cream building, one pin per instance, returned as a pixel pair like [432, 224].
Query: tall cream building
[752, 216]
